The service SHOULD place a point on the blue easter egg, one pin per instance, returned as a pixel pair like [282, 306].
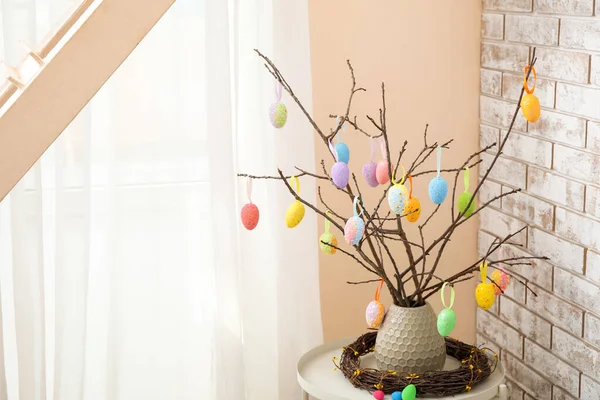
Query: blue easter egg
[397, 197]
[438, 190]
[397, 396]
[343, 152]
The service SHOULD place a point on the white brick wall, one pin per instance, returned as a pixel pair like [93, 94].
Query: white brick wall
[549, 343]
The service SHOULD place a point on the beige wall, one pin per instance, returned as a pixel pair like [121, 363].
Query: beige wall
[427, 53]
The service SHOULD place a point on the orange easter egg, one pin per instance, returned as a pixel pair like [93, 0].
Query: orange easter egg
[530, 106]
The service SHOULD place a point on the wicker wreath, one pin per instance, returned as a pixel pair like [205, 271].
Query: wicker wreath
[475, 367]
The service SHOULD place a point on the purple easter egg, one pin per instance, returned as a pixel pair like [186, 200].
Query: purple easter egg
[340, 173]
[368, 171]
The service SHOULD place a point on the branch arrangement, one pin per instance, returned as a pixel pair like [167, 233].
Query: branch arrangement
[373, 251]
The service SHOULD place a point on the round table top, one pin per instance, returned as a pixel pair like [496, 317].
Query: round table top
[317, 377]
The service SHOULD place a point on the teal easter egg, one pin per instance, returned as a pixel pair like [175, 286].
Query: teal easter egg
[463, 200]
[397, 198]
[397, 396]
[446, 321]
[343, 152]
[438, 190]
[409, 392]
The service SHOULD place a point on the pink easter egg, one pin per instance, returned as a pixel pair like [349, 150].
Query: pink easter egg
[374, 314]
[250, 216]
[378, 395]
[340, 173]
[369, 171]
[382, 172]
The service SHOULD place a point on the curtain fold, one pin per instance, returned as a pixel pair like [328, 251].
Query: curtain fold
[125, 272]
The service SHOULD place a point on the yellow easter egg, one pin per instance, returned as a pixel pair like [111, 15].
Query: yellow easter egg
[412, 210]
[530, 106]
[484, 294]
[294, 214]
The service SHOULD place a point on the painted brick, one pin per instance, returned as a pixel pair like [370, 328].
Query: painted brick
[592, 329]
[515, 291]
[556, 370]
[590, 390]
[488, 191]
[595, 74]
[568, 7]
[529, 379]
[482, 341]
[557, 311]
[499, 112]
[488, 135]
[524, 321]
[484, 241]
[577, 164]
[509, 57]
[540, 273]
[577, 290]
[580, 33]
[555, 188]
[580, 100]
[593, 136]
[592, 266]
[560, 252]
[534, 30]
[561, 128]
[501, 224]
[580, 355]
[529, 149]
[491, 82]
[561, 64]
[578, 228]
[506, 171]
[544, 90]
[492, 26]
[502, 334]
[507, 5]
[559, 394]
[514, 391]
[529, 209]
[592, 200]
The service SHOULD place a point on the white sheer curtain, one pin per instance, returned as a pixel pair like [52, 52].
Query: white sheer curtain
[124, 273]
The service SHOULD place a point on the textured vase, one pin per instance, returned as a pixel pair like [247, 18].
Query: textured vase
[408, 341]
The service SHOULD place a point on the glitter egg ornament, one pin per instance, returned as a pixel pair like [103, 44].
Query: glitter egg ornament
[438, 187]
[413, 206]
[327, 239]
[530, 104]
[397, 198]
[409, 392]
[501, 280]
[465, 197]
[295, 212]
[278, 111]
[343, 152]
[375, 310]
[340, 174]
[355, 227]
[378, 395]
[382, 171]
[446, 320]
[249, 213]
[397, 396]
[485, 292]
[368, 172]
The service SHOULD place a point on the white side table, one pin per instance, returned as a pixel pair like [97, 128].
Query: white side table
[318, 379]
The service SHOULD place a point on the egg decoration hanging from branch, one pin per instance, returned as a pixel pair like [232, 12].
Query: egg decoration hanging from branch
[295, 212]
[438, 187]
[249, 213]
[446, 320]
[484, 292]
[355, 226]
[343, 152]
[369, 170]
[501, 280]
[382, 172]
[278, 111]
[465, 197]
[340, 173]
[398, 195]
[327, 241]
[375, 310]
[413, 206]
[530, 104]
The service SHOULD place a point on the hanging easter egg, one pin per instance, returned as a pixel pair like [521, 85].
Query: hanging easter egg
[384, 167]
[465, 198]
[447, 317]
[249, 213]
[355, 226]
[397, 396]
[412, 211]
[375, 310]
[530, 104]
[501, 280]
[368, 172]
[409, 392]
[250, 216]
[485, 292]
[378, 395]
[438, 187]
[397, 198]
[327, 241]
[278, 111]
[343, 152]
[340, 174]
[295, 212]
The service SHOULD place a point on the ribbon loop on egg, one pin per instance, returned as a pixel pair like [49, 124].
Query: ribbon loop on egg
[401, 180]
[411, 186]
[452, 294]
[467, 178]
[327, 222]
[382, 147]
[249, 189]
[297, 183]
[525, 84]
[341, 129]
[355, 206]
[483, 270]
[372, 144]
[378, 290]
[278, 91]
[439, 159]
[333, 151]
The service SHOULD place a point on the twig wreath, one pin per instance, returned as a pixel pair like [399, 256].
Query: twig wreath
[475, 366]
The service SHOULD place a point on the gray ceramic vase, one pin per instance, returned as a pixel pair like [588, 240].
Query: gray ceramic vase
[408, 341]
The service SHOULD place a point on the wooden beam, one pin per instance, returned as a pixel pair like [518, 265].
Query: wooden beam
[76, 67]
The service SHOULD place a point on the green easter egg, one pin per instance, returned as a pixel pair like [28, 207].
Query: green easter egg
[463, 200]
[446, 321]
[409, 392]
